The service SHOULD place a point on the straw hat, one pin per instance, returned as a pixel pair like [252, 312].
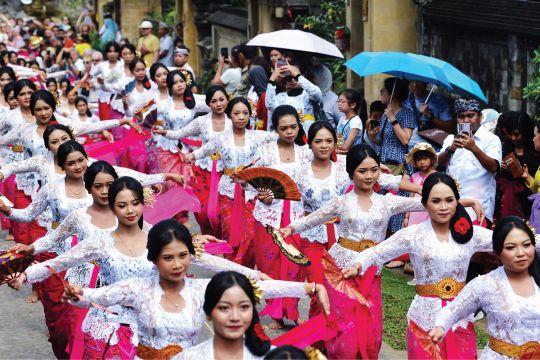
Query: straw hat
[421, 146]
[35, 41]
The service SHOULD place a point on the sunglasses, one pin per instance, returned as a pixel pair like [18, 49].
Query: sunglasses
[289, 78]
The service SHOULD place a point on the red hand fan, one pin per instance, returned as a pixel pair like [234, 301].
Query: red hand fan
[272, 181]
[12, 263]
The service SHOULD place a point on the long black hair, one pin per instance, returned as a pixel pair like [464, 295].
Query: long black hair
[165, 232]
[44, 95]
[284, 110]
[234, 101]
[21, 84]
[97, 167]
[212, 90]
[49, 130]
[78, 99]
[521, 121]
[357, 154]
[461, 226]
[138, 60]
[129, 183]
[318, 125]
[9, 88]
[154, 68]
[214, 291]
[189, 100]
[67, 148]
[501, 231]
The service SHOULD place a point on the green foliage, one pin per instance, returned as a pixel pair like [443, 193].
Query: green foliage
[325, 24]
[532, 89]
[397, 296]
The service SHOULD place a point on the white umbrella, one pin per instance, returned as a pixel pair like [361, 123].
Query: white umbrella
[296, 40]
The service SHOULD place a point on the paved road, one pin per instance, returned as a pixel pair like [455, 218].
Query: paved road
[23, 334]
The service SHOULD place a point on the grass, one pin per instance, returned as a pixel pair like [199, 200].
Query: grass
[396, 298]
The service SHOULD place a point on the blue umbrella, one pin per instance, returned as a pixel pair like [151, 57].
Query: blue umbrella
[397, 64]
[461, 83]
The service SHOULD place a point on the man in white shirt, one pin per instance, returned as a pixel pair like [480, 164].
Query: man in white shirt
[165, 45]
[473, 159]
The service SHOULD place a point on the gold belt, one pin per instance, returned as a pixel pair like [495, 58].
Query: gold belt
[17, 148]
[357, 246]
[55, 224]
[447, 288]
[515, 351]
[149, 353]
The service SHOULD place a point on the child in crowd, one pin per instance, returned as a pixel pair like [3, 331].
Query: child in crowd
[376, 111]
[350, 126]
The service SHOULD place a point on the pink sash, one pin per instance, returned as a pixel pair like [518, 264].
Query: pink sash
[170, 203]
[212, 210]
[235, 232]
[318, 328]
[102, 150]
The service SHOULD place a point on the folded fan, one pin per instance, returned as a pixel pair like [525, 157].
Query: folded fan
[288, 250]
[12, 263]
[276, 183]
[150, 119]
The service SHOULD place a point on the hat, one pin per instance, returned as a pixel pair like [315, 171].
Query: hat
[421, 146]
[163, 24]
[146, 25]
[183, 51]
[463, 105]
[26, 2]
[35, 41]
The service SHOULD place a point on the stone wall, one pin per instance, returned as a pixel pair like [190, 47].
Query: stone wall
[491, 42]
[133, 12]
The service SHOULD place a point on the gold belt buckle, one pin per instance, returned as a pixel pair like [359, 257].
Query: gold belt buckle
[448, 288]
[55, 224]
[215, 156]
[17, 148]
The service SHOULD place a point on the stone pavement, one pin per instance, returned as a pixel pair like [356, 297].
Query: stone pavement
[23, 334]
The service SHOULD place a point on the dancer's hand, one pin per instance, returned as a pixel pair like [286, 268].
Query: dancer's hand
[322, 296]
[23, 249]
[72, 292]
[352, 271]
[108, 136]
[235, 179]
[385, 169]
[265, 197]
[205, 239]
[16, 280]
[177, 178]
[1, 177]
[158, 189]
[4, 209]
[287, 231]
[437, 334]
[479, 210]
[159, 130]
[130, 123]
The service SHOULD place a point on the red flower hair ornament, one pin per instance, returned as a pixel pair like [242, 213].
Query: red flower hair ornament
[462, 226]
[259, 331]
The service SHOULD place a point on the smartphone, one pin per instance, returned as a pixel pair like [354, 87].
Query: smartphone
[224, 52]
[374, 123]
[6, 201]
[464, 128]
[280, 63]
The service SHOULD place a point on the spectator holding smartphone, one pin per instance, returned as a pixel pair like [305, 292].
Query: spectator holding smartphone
[376, 111]
[473, 157]
[230, 78]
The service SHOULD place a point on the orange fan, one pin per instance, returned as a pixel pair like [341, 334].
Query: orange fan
[272, 181]
[335, 278]
[12, 263]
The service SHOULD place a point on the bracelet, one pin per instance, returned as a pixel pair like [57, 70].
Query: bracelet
[314, 289]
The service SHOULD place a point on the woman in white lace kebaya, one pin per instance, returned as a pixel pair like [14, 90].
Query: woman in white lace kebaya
[238, 148]
[509, 295]
[364, 217]
[287, 154]
[168, 306]
[229, 302]
[440, 250]
[206, 171]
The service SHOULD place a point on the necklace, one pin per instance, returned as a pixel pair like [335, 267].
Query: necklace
[74, 192]
[171, 302]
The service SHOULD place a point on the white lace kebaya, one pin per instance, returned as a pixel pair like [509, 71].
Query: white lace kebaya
[233, 156]
[357, 224]
[433, 260]
[511, 318]
[205, 350]
[201, 126]
[158, 328]
[114, 267]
